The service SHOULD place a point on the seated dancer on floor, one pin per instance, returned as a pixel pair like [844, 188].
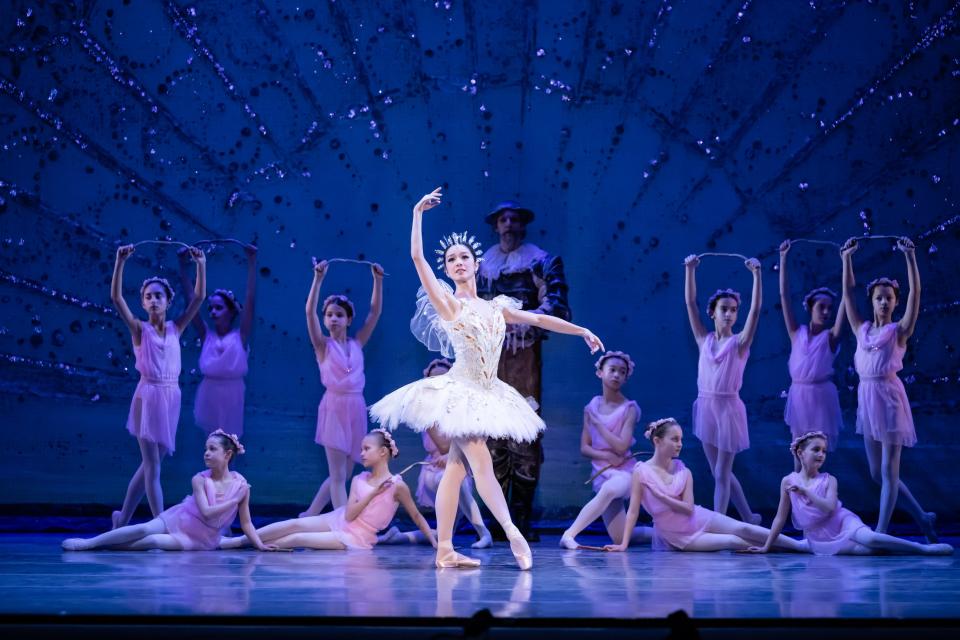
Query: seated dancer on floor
[431, 471]
[608, 423]
[469, 404]
[810, 496]
[373, 501]
[196, 524]
[664, 486]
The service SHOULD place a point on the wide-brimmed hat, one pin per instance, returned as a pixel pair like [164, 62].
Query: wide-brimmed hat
[526, 215]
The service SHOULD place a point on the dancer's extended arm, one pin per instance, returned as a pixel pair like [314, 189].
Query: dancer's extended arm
[849, 283]
[690, 298]
[250, 297]
[552, 323]
[376, 306]
[199, 290]
[756, 300]
[116, 293]
[633, 513]
[779, 520]
[909, 320]
[785, 303]
[406, 501]
[446, 305]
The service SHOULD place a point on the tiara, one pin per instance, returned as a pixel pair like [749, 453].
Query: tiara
[799, 440]
[340, 299]
[886, 282]
[819, 291]
[648, 432]
[233, 438]
[616, 354]
[437, 362]
[227, 295]
[394, 451]
[724, 293]
[454, 239]
[162, 282]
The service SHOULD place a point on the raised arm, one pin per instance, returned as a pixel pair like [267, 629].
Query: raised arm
[633, 513]
[849, 285]
[690, 265]
[446, 305]
[406, 501]
[199, 290]
[246, 318]
[756, 300]
[551, 323]
[197, 322]
[317, 339]
[909, 320]
[376, 306]
[785, 304]
[779, 520]
[116, 293]
[837, 329]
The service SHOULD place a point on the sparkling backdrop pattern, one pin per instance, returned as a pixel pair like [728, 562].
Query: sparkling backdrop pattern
[638, 131]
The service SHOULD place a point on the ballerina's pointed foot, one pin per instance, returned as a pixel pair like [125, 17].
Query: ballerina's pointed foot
[941, 549]
[115, 520]
[755, 519]
[485, 540]
[519, 547]
[74, 544]
[452, 560]
[568, 542]
[926, 525]
[390, 537]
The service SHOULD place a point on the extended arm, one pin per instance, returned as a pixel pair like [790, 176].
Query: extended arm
[317, 339]
[756, 300]
[246, 524]
[909, 320]
[376, 306]
[788, 318]
[199, 290]
[779, 520]
[633, 513]
[849, 284]
[446, 305]
[197, 322]
[116, 293]
[551, 323]
[690, 298]
[405, 500]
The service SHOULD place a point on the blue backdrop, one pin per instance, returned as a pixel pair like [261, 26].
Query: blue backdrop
[638, 131]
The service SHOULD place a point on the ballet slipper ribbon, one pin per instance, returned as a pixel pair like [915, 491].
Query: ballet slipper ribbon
[611, 466]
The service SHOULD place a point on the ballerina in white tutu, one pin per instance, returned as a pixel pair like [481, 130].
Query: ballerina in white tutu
[469, 403]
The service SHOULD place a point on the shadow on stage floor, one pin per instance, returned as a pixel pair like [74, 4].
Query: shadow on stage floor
[395, 591]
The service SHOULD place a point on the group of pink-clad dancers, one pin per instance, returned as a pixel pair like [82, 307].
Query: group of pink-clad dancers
[458, 405]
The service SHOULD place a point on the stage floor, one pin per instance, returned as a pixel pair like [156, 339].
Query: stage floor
[400, 581]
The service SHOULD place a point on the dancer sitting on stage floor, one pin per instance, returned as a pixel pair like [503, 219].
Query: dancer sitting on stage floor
[438, 447]
[664, 486]
[373, 501]
[225, 352]
[811, 497]
[342, 414]
[196, 524]
[469, 404]
[155, 408]
[883, 409]
[812, 401]
[607, 436]
[719, 415]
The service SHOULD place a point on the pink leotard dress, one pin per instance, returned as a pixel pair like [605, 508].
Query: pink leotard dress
[614, 422]
[191, 529]
[155, 408]
[342, 414]
[361, 532]
[672, 530]
[719, 415]
[813, 403]
[828, 534]
[883, 409]
[219, 401]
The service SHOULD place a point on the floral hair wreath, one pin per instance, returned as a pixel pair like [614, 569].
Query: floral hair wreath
[162, 282]
[723, 293]
[819, 291]
[340, 300]
[394, 451]
[616, 354]
[883, 282]
[232, 438]
[231, 299]
[437, 362]
[810, 435]
[656, 424]
[454, 239]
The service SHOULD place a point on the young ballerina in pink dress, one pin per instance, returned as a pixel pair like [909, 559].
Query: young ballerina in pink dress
[719, 415]
[664, 486]
[197, 523]
[812, 401]
[374, 498]
[342, 414]
[469, 403]
[437, 447]
[224, 355]
[810, 496]
[883, 410]
[155, 408]
[607, 436]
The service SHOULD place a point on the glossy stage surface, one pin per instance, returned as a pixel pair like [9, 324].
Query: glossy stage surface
[400, 581]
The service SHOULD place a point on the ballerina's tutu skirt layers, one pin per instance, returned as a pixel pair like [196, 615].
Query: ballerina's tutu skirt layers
[469, 401]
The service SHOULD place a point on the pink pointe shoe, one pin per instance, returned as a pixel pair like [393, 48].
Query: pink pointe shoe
[519, 547]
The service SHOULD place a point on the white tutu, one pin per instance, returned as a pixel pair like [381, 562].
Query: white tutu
[469, 400]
